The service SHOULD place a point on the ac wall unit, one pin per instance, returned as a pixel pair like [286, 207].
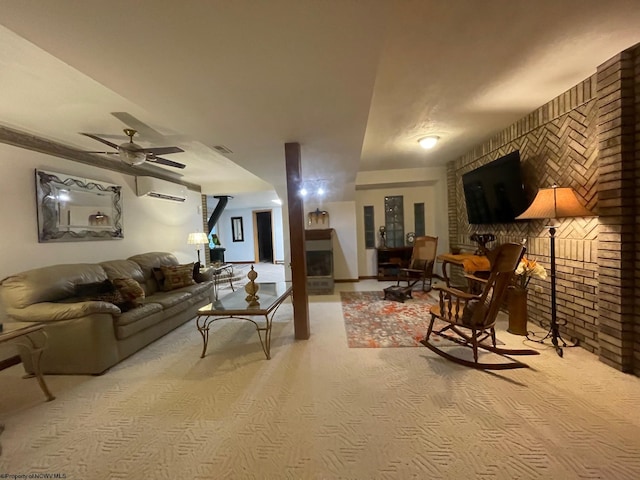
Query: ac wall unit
[157, 188]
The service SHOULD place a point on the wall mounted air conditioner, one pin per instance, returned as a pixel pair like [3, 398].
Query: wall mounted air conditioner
[157, 188]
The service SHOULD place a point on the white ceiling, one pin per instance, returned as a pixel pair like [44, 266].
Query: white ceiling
[355, 82]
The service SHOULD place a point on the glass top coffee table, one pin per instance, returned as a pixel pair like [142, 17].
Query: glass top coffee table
[271, 295]
[31, 338]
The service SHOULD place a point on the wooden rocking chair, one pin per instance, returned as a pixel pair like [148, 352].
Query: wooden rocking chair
[420, 268]
[465, 312]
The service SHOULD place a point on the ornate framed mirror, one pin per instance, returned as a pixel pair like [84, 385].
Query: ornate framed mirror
[77, 209]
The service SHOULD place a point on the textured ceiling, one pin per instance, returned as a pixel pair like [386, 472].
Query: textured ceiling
[356, 83]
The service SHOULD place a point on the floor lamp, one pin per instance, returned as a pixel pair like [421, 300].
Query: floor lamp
[553, 203]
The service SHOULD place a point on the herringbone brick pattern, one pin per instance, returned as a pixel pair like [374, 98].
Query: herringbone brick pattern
[561, 150]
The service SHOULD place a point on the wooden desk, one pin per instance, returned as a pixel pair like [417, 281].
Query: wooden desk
[390, 259]
[24, 335]
[468, 261]
[271, 295]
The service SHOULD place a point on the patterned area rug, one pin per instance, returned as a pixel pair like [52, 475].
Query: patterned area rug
[373, 322]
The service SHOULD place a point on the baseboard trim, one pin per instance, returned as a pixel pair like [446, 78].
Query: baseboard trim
[346, 280]
[365, 277]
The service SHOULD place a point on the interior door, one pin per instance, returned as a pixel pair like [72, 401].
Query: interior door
[265, 236]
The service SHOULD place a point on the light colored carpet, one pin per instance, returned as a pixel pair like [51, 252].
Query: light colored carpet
[321, 410]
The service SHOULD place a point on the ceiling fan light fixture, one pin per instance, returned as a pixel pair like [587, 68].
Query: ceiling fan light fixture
[428, 142]
[132, 157]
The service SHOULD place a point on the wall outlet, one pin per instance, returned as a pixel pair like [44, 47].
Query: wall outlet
[537, 288]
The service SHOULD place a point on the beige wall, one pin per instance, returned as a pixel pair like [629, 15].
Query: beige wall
[342, 217]
[149, 224]
[416, 185]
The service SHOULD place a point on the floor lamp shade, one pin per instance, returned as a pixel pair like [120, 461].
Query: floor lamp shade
[198, 238]
[555, 202]
[552, 203]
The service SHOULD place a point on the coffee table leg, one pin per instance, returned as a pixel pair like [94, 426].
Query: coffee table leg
[215, 286]
[204, 331]
[36, 353]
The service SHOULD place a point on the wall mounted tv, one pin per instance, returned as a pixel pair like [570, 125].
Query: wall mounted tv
[494, 193]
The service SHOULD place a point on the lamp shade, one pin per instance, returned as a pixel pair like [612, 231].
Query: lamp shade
[198, 238]
[555, 202]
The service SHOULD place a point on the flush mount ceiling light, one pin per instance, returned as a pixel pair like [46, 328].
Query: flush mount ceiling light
[428, 142]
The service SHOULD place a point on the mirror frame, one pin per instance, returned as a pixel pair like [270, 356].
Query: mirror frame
[237, 232]
[47, 208]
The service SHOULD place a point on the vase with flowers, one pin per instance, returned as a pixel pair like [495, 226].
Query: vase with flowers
[517, 302]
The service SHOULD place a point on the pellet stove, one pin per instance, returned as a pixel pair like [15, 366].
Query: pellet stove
[319, 247]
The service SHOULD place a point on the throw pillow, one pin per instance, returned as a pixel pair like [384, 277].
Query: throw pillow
[196, 270]
[114, 297]
[472, 308]
[131, 291]
[177, 276]
[159, 276]
[95, 288]
[104, 291]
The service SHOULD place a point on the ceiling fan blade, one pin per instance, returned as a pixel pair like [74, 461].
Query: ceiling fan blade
[143, 129]
[162, 150]
[101, 140]
[164, 161]
[106, 153]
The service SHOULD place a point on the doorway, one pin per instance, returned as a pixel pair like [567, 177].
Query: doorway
[264, 236]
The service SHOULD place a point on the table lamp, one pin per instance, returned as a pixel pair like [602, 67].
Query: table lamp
[552, 203]
[198, 238]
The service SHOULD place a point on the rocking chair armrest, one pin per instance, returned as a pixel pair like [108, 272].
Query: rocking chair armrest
[410, 270]
[473, 278]
[455, 292]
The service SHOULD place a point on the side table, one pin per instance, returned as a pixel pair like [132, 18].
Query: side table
[32, 338]
[469, 262]
[218, 271]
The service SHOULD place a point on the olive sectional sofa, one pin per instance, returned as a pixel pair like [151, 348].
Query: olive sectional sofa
[90, 328]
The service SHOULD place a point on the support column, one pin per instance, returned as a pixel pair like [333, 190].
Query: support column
[296, 239]
[616, 209]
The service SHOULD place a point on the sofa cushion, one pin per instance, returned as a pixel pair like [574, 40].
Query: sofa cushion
[169, 299]
[147, 261]
[177, 276]
[138, 314]
[123, 269]
[48, 284]
[139, 319]
[131, 291]
[94, 288]
[100, 292]
[199, 288]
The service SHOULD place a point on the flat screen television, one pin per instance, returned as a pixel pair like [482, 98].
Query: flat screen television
[494, 193]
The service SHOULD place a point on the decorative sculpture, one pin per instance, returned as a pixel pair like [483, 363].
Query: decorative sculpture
[482, 239]
[252, 288]
[383, 241]
[318, 219]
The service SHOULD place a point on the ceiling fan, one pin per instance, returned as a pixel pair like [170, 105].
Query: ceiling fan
[133, 154]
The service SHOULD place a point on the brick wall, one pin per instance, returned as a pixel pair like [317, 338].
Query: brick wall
[205, 227]
[586, 138]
